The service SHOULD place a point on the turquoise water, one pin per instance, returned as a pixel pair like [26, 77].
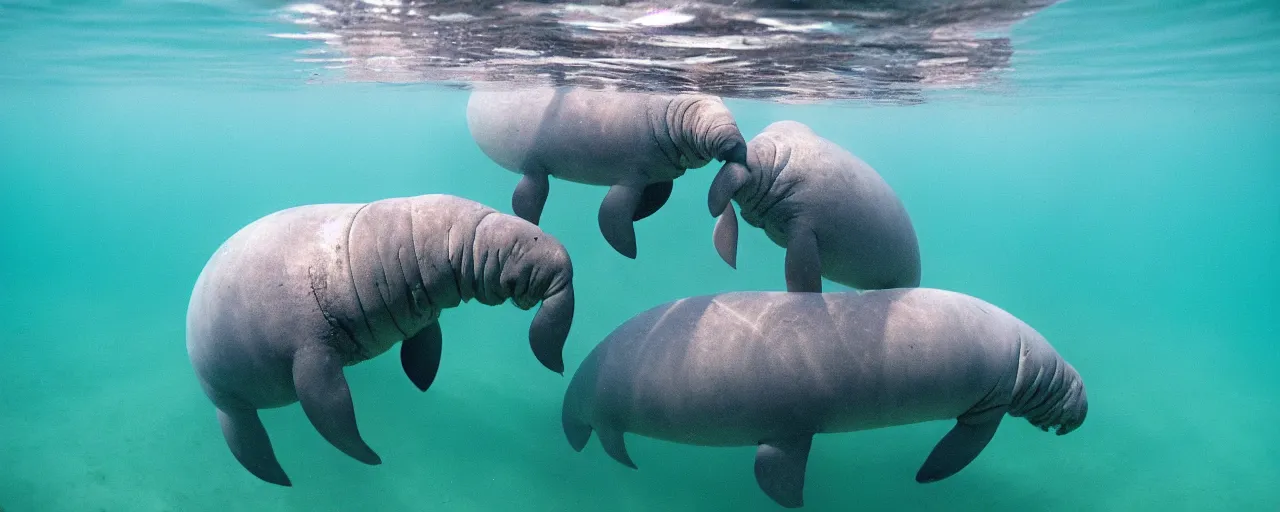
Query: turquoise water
[1118, 192]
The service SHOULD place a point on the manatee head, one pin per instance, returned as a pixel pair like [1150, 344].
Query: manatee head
[535, 267]
[704, 129]
[1049, 392]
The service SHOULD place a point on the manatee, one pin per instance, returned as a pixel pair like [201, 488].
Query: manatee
[835, 216]
[771, 369]
[636, 144]
[294, 297]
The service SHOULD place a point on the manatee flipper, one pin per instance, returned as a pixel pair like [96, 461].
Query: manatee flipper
[250, 444]
[780, 467]
[616, 212]
[732, 176]
[725, 236]
[326, 399]
[957, 449]
[803, 265]
[531, 196]
[613, 444]
[651, 200]
[420, 355]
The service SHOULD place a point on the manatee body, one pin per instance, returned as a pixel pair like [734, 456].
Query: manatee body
[833, 213]
[771, 369]
[291, 299]
[634, 143]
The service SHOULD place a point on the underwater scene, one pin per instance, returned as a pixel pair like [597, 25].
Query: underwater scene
[656, 255]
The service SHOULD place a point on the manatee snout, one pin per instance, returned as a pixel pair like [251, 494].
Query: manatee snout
[1069, 412]
[550, 329]
[1058, 402]
[727, 143]
[711, 132]
[736, 153]
[540, 270]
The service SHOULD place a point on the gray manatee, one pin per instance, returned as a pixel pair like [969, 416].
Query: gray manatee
[835, 216]
[292, 298]
[634, 143]
[771, 369]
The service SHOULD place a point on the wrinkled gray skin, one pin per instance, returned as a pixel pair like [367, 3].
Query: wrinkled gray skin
[291, 299]
[835, 216]
[771, 369]
[636, 144]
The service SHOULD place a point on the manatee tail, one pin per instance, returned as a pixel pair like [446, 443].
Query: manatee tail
[249, 443]
[575, 430]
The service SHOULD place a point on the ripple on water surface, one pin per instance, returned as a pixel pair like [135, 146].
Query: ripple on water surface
[780, 50]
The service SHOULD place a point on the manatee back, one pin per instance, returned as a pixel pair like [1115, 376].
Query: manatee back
[865, 235]
[821, 173]
[263, 268]
[658, 374]
[253, 303]
[726, 369]
[575, 134]
[505, 123]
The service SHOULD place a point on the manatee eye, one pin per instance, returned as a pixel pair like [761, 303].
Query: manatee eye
[535, 239]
